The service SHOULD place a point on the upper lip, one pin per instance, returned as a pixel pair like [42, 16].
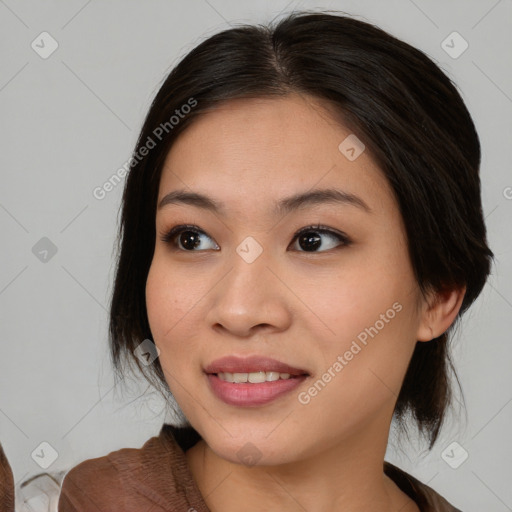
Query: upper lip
[235, 364]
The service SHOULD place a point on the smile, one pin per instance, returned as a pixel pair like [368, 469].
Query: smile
[253, 377]
[249, 393]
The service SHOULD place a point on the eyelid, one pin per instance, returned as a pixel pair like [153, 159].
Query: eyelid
[324, 229]
[167, 236]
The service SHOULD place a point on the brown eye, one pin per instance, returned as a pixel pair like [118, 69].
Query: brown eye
[188, 238]
[312, 238]
[185, 238]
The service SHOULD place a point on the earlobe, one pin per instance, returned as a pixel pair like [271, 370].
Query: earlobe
[439, 313]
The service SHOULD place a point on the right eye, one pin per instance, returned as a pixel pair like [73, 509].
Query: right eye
[185, 238]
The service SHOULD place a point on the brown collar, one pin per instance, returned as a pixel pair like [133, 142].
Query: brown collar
[168, 451]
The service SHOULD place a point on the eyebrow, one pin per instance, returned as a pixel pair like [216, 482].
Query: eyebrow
[283, 206]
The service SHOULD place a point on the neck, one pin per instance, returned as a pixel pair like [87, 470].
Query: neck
[345, 476]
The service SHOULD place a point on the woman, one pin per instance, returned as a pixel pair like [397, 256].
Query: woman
[301, 229]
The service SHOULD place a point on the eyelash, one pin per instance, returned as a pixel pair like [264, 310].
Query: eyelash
[169, 236]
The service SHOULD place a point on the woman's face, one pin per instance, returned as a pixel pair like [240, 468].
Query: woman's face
[339, 304]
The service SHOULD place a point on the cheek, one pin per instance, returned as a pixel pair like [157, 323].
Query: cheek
[165, 308]
[157, 301]
[163, 313]
[170, 297]
[372, 331]
[369, 319]
[362, 295]
[362, 370]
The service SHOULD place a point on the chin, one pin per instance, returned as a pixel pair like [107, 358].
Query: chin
[249, 449]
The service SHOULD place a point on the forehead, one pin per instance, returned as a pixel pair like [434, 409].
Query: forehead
[248, 150]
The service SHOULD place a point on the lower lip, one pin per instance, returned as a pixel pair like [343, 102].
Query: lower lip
[246, 394]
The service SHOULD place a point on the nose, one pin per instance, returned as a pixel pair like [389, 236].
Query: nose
[251, 298]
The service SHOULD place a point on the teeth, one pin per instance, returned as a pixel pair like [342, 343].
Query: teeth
[253, 377]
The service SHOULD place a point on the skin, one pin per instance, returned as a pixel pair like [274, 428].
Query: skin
[302, 308]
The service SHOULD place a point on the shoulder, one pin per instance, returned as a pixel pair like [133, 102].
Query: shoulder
[154, 477]
[111, 481]
[427, 498]
[94, 483]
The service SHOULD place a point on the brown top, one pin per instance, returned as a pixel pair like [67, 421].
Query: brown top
[157, 478]
[6, 484]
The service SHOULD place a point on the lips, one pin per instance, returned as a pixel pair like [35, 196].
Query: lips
[234, 364]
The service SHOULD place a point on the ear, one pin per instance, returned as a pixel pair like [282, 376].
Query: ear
[439, 312]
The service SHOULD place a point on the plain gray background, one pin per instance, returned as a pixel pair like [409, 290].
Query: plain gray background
[70, 120]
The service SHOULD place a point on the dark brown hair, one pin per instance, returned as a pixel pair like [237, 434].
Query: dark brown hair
[394, 98]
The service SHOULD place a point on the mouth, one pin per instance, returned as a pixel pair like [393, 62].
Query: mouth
[252, 381]
[254, 377]
[252, 364]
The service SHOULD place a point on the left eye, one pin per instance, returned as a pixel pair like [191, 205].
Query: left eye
[188, 238]
[311, 238]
